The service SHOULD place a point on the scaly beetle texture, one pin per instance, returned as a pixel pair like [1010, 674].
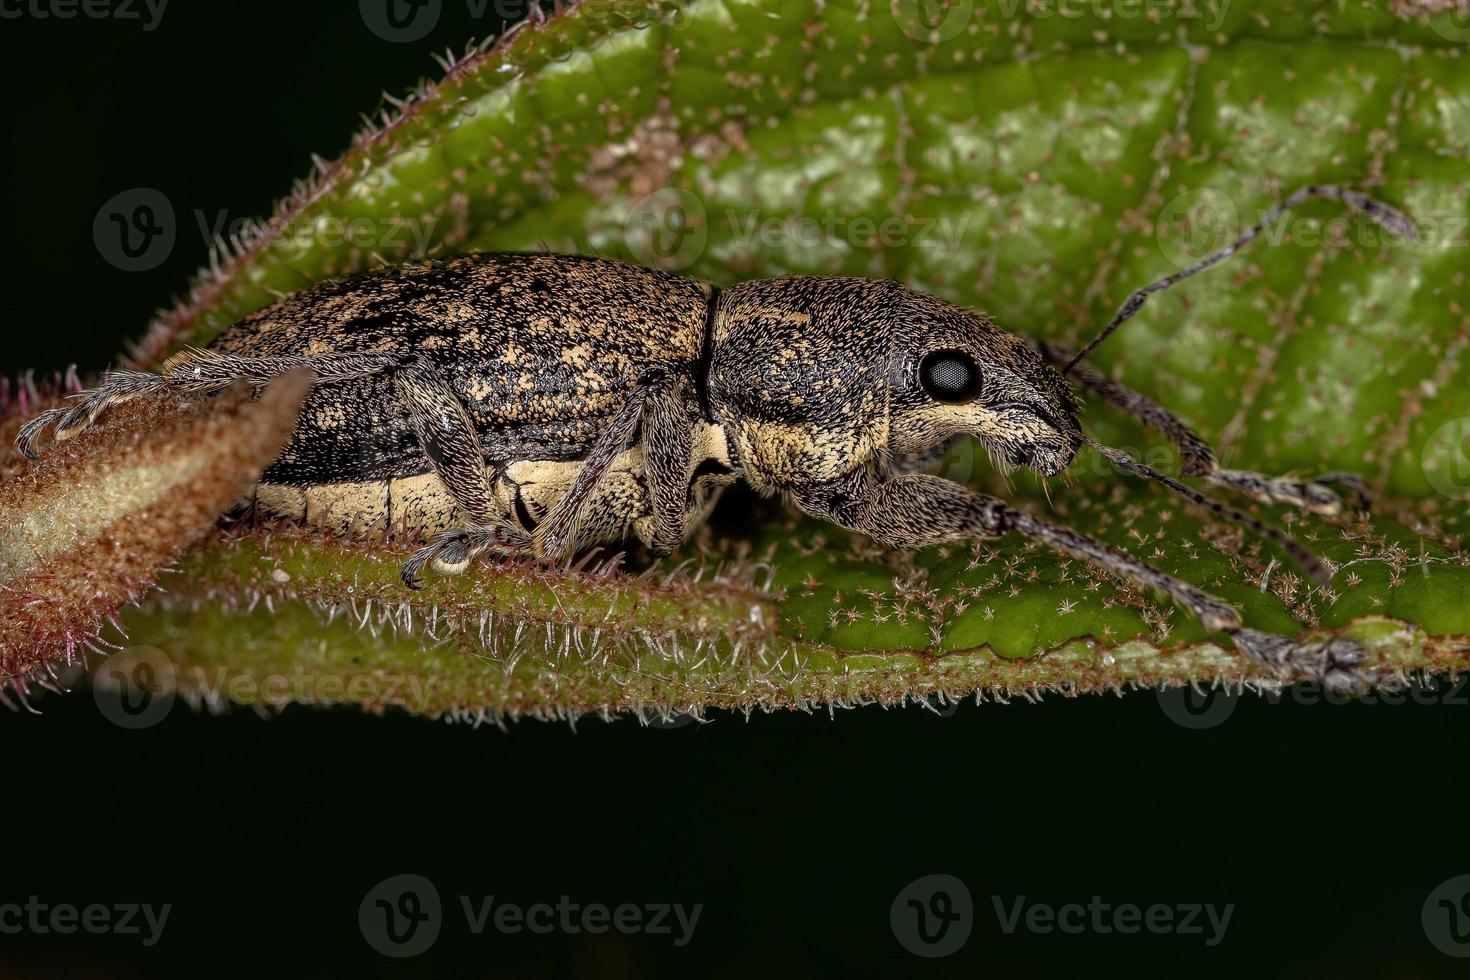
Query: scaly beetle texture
[534, 404]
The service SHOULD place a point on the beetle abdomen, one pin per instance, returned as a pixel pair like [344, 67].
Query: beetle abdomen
[541, 349]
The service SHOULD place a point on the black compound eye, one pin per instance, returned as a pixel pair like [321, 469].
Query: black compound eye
[949, 376]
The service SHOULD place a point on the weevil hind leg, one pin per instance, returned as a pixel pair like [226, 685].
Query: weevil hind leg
[115, 388]
[1314, 496]
[918, 510]
[194, 372]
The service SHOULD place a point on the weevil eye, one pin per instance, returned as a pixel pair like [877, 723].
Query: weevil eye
[949, 376]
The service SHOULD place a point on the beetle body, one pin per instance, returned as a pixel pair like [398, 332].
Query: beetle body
[784, 382]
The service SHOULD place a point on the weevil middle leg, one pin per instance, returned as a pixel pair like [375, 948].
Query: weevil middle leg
[658, 408]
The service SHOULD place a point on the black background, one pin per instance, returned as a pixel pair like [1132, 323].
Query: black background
[1326, 826]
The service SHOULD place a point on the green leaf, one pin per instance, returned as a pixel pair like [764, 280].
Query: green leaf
[1034, 161]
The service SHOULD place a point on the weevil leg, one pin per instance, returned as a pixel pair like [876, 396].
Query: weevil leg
[661, 409]
[447, 435]
[668, 449]
[555, 536]
[116, 387]
[1196, 458]
[194, 372]
[917, 510]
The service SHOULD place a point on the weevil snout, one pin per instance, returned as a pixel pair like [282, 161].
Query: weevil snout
[1037, 439]
[956, 373]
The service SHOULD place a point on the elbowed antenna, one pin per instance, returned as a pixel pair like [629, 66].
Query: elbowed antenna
[1389, 217]
[1309, 562]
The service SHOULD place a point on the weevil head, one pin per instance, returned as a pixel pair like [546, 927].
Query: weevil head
[952, 372]
[813, 376]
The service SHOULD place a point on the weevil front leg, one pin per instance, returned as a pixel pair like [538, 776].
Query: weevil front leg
[1315, 496]
[918, 510]
[447, 435]
[195, 372]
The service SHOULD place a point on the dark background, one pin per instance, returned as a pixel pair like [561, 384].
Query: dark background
[1326, 826]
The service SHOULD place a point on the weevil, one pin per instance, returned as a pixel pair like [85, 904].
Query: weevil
[533, 404]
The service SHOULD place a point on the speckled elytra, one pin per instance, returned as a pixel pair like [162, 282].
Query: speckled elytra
[533, 404]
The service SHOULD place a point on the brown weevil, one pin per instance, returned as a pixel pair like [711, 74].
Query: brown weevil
[532, 404]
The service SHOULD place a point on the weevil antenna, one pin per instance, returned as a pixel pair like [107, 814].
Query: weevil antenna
[1390, 218]
[1309, 562]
